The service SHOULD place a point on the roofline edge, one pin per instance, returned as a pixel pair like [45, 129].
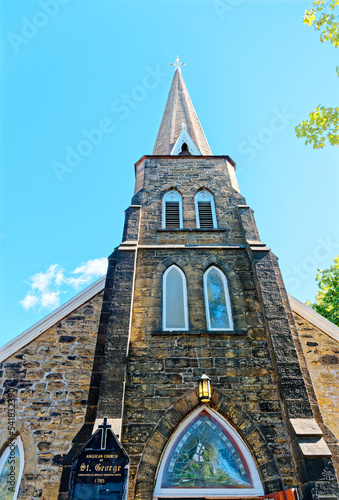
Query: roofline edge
[51, 319]
[315, 318]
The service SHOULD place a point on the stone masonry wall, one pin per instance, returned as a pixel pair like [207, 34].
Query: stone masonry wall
[322, 356]
[50, 378]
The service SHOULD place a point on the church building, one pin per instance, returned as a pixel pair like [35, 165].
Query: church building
[214, 383]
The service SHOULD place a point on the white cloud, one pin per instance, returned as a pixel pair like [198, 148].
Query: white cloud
[59, 278]
[88, 271]
[95, 267]
[29, 301]
[41, 281]
[47, 287]
[50, 299]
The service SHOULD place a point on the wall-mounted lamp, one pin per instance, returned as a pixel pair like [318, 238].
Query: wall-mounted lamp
[204, 388]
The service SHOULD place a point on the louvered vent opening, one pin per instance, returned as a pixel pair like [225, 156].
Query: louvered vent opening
[172, 214]
[205, 215]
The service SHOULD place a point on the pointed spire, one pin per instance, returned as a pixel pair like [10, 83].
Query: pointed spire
[179, 110]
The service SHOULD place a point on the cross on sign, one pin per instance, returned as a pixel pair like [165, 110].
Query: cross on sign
[104, 426]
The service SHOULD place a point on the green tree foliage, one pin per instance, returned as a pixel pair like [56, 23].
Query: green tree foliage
[327, 299]
[323, 123]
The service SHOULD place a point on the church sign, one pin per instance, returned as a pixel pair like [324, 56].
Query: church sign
[101, 469]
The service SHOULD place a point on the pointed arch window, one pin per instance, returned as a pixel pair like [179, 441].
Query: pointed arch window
[11, 469]
[207, 458]
[217, 300]
[172, 210]
[205, 210]
[175, 315]
[184, 150]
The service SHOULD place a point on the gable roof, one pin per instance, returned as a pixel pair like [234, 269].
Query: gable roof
[51, 319]
[313, 317]
[185, 137]
[98, 286]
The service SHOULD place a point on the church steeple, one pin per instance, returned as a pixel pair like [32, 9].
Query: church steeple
[180, 111]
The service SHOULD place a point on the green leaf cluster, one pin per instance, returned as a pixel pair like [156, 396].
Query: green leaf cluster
[327, 299]
[323, 123]
[324, 21]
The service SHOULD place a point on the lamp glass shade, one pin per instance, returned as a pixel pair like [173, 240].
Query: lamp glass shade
[204, 388]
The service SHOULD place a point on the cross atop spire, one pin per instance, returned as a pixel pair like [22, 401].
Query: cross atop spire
[177, 64]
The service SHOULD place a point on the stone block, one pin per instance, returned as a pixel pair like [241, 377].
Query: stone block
[173, 417]
[182, 407]
[157, 440]
[305, 427]
[30, 466]
[256, 440]
[247, 426]
[151, 455]
[50, 491]
[269, 471]
[321, 469]
[314, 447]
[146, 472]
[192, 399]
[165, 428]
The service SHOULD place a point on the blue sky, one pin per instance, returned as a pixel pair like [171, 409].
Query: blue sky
[253, 71]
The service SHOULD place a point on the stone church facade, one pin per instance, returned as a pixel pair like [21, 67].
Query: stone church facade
[191, 290]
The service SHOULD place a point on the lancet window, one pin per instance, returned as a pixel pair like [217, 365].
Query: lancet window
[11, 469]
[205, 210]
[217, 300]
[172, 210]
[175, 315]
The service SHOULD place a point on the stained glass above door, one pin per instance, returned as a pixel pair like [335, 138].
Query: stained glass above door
[205, 456]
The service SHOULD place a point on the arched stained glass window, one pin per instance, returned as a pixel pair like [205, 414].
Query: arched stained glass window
[175, 315]
[217, 300]
[11, 468]
[207, 456]
[205, 210]
[172, 210]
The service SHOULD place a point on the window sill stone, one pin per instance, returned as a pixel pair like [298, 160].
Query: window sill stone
[199, 332]
[192, 230]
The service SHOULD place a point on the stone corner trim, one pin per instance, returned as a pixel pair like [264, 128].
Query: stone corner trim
[309, 438]
[314, 448]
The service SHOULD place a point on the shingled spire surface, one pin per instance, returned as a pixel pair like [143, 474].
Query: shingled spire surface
[179, 109]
